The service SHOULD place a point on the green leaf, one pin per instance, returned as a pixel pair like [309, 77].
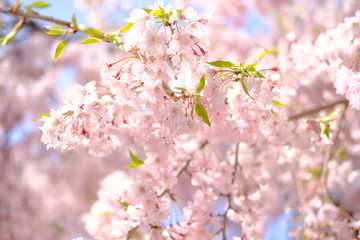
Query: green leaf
[326, 132]
[90, 41]
[245, 88]
[39, 4]
[126, 27]
[53, 30]
[159, 14]
[201, 84]
[44, 114]
[325, 121]
[192, 112]
[277, 103]
[324, 129]
[251, 65]
[329, 117]
[54, 33]
[74, 24]
[148, 10]
[268, 52]
[180, 88]
[254, 72]
[9, 37]
[123, 203]
[93, 32]
[60, 47]
[201, 112]
[222, 64]
[135, 161]
[196, 96]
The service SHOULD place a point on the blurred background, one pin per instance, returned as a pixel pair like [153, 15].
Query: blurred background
[44, 193]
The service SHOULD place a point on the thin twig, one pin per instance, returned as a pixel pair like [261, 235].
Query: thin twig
[236, 163]
[224, 216]
[317, 109]
[182, 169]
[73, 28]
[228, 196]
[328, 152]
[324, 172]
[36, 16]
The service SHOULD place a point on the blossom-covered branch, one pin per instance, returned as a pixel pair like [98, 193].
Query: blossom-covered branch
[186, 121]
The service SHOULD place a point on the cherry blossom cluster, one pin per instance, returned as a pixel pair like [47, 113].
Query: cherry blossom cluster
[197, 145]
[166, 95]
[154, 92]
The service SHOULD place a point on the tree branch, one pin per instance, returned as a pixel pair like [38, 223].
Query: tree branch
[182, 169]
[236, 163]
[73, 27]
[317, 109]
[34, 15]
[330, 147]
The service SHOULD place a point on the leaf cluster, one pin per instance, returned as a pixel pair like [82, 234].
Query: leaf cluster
[243, 71]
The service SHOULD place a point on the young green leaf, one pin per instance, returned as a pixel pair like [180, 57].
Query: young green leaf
[277, 103]
[11, 35]
[74, 23]
[148, 10]
[54, 33]
[251, 65]
[201, 112]
[222, 64]
[201, 84]
[192, 112]
[123, 203]
[39, 4]
[60, 47]
[329, 117]
[92, 32]
[90, 41]
[135, 161]
[159, 14]
[326, 132]
[268, 52]
[180, 88]
[245, 88]
[254, 72]
[126, 27]
[53, 30]
[196, 96]
[324, 129]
